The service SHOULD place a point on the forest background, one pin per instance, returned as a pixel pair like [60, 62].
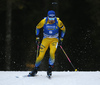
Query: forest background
[18, 20]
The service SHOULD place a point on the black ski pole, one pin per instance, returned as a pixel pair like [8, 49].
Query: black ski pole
[37, 51]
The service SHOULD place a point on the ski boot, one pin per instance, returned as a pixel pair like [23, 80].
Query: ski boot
[34, 72]
[49, 71]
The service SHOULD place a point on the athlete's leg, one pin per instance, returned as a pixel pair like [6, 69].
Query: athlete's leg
[53, 48]
[43, 48]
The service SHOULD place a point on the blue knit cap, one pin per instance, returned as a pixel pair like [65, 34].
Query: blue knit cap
[51, 13]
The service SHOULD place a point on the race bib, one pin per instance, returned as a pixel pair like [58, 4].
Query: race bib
[50, 32]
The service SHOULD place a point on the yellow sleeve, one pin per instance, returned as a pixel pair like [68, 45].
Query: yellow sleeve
[41, 24]
[61, 25]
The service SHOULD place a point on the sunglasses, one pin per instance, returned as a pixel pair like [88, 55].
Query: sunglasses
[51, 18]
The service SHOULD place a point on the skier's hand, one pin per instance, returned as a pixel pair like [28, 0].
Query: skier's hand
[60, 42]
[37, 40]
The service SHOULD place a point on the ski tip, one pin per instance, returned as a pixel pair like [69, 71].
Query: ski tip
[17, 76]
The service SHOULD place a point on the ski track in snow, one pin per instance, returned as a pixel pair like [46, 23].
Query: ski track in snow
[57, 78]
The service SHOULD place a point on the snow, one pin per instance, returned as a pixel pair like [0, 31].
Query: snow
[58, 78]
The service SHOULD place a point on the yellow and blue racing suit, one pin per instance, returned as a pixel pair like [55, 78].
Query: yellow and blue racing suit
[50, 38]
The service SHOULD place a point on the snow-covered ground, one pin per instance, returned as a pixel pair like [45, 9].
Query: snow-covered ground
[58, 78]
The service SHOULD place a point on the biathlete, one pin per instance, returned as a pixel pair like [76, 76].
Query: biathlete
[51, 26]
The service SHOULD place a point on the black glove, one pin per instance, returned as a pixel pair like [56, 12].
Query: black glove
[60, 42]
[37, 40]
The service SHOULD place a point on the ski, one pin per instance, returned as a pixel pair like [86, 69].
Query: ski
[48, 76]
[24, 76]
[21, 76]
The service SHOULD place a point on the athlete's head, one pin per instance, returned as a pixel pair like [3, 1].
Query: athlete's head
[51, 15]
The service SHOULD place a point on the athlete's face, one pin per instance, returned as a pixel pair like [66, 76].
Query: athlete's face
[51, 19]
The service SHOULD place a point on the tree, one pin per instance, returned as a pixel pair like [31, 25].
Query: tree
[8, 35]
